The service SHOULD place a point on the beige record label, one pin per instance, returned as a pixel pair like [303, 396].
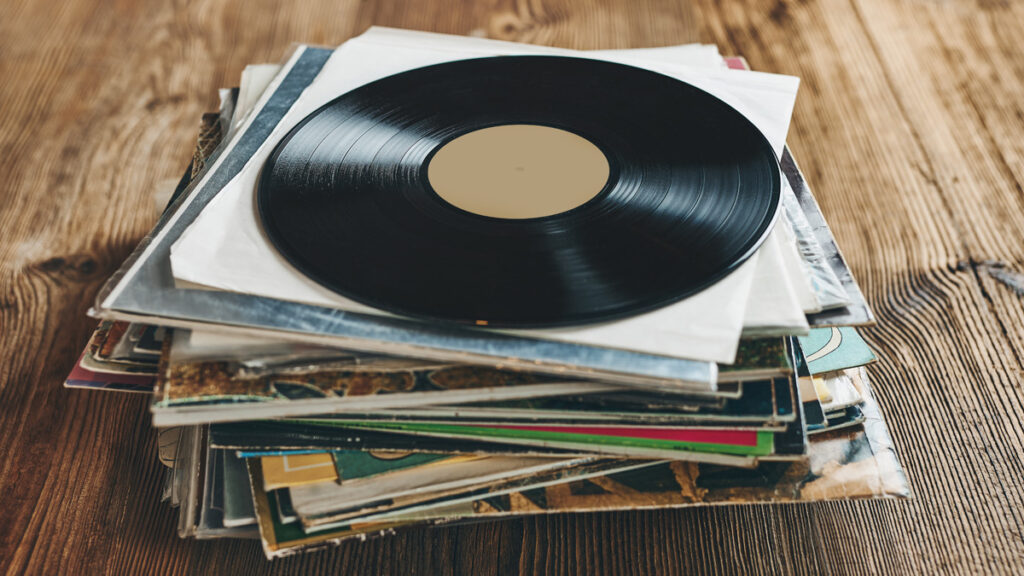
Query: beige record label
[518, 171]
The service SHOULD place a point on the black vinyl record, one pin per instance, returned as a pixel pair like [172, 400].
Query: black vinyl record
[692, 190]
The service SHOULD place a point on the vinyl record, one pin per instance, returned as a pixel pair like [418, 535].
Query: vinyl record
[521, 191]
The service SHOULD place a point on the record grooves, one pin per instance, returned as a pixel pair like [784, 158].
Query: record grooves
[692, 189]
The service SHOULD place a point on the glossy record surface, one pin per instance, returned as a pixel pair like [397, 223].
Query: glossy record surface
[692, 192]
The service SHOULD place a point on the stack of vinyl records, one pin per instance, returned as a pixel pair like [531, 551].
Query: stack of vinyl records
[422, 279]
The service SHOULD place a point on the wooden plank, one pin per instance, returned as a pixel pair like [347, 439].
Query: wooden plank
[909, 126]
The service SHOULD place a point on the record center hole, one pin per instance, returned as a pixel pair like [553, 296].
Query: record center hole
[518, 171]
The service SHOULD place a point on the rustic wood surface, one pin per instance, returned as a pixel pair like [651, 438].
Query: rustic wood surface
[909, 126]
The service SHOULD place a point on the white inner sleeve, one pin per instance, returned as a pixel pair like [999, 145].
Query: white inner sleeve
[226, 249]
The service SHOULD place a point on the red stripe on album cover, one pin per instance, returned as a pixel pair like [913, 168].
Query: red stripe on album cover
[731, 437]
[86, 375]
[735, 63]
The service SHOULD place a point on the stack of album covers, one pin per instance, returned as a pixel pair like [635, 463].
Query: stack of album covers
[420, 279]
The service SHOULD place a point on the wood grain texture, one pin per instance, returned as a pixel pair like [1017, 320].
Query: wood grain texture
[909, 127]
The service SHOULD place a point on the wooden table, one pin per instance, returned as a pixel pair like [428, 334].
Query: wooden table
[909, 126]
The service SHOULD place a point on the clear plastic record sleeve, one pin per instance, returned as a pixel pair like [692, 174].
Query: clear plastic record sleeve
[856, 312]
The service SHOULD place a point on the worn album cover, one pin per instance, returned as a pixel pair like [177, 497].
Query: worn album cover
[193, 392]
[831, 349]
[111, 349]
[764, 403]
[735, 446]
[81, 377]
[218, 512]
[288, 470]
[841, 390]
[854, 462]
[328, 501]
[265, 437]
[238, 508]
[360, 465]
[425, 504]
[262, 437]
[757, 359]
[285, 533]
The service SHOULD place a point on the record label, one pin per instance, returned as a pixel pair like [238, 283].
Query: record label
[518, 171]
[520, 191]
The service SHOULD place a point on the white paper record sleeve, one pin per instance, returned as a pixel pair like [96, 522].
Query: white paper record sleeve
[144, 289]
[226, 249]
